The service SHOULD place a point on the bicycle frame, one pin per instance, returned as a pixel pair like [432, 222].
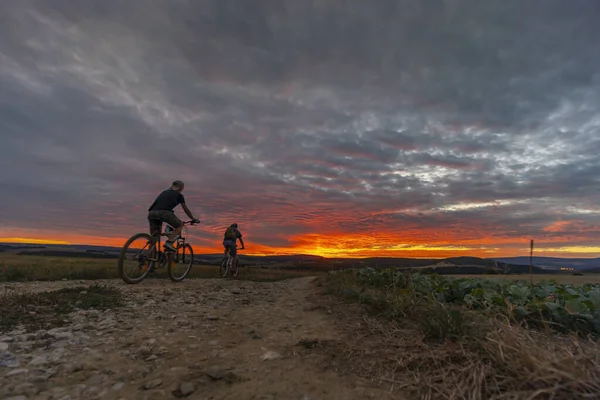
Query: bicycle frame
[163, 232]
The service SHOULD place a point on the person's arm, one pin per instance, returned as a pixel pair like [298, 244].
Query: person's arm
[187, 211]
[241, 240]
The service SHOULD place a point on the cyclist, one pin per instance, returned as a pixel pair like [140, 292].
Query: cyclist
[162, 211]
[232, 234]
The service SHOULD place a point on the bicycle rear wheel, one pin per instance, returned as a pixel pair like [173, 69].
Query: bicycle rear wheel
[223, 268]
[180, 263]
[235, 267]
[137, 257]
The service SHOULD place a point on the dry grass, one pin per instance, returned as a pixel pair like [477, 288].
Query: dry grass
[484, 359]
[29, 268]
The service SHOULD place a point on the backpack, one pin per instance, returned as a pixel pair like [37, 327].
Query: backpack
[230, 234]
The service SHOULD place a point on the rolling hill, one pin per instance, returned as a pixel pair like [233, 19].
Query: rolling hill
[579, 264]
[453, 265]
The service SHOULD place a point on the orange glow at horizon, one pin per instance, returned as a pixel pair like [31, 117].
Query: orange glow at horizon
[352, 246]
[31, 241]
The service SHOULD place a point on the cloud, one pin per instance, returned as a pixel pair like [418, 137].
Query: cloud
[412, 127]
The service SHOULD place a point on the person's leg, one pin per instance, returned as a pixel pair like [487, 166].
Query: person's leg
[155, 223]
[171, 219]
[175, 233]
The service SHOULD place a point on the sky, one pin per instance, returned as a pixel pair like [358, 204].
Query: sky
[352, 128]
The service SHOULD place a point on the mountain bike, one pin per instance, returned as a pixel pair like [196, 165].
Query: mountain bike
[142, 254]
[229, 264]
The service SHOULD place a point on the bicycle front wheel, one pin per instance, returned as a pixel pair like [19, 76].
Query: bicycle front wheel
[180, 263]
[137, 258]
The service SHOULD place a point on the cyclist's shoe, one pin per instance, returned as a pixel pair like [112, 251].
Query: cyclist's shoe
[169, 246]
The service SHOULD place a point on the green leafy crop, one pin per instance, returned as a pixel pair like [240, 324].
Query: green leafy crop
[563, 307]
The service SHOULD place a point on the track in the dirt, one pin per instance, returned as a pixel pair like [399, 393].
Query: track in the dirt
[206, 339]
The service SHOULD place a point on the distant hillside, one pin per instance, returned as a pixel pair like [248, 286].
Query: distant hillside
[59, 253]
[555, 262]
[465, 260]
[452, 265]
[476, 265]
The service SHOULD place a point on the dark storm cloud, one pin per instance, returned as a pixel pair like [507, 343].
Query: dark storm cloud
[300, 117]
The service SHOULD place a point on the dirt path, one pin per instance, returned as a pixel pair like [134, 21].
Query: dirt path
[206, 339]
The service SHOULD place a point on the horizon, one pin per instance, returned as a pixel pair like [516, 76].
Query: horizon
[322, 130]
[290, 254]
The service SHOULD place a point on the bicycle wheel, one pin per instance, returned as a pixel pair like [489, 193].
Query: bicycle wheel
[223, 268]
[180, 263]
[235, 267]
[138, 256]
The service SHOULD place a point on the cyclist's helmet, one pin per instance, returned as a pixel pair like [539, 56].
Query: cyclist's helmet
[234, 226]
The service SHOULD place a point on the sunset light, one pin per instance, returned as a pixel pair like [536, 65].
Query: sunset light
[334, 147]
[266, 199]
[31, 241]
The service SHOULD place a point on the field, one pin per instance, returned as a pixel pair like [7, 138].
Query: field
[472, 337]
[561, 306]
[561, 278]
[15, 267]
[407, 334]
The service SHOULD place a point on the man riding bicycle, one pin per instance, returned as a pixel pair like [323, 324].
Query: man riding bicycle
[232, 234]
[162, 211]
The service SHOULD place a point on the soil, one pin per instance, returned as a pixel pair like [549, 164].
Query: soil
[197, 339]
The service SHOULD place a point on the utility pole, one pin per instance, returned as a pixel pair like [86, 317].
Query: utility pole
[531, 263]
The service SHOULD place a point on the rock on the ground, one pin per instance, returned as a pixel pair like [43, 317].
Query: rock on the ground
[16, 372]
[48, 358]
[186, 388]
[8, 359]
[152, 384]
[95, 380]
[270, 355]
[75, 367]
[144, 351]
[215, 372]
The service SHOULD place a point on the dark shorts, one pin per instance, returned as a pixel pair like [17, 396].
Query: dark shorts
[231, 245]
[157, 217]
